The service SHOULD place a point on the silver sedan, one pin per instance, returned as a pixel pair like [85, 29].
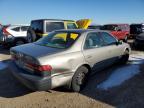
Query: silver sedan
[66, 58]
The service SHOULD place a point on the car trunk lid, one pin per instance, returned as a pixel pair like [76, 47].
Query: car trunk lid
[26, 57]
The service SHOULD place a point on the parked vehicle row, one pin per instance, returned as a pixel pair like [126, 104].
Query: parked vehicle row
[66, 58]
[63, 52]
[136, 29]
[11, 35]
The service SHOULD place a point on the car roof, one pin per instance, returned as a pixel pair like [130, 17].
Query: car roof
[116, 24]
[53, 20]
[80, 31]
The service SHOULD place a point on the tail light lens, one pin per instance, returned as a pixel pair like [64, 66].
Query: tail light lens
[40, 68]
[5, 32]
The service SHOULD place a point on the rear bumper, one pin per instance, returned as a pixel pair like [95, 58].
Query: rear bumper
[40, 83]
[31, 81]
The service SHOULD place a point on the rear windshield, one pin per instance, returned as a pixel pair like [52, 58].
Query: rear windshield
[59, 39]
[110, 27]
[51, 26]
[37, 26]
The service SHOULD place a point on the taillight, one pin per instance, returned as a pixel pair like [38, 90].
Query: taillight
[40, 68]
[5, 32]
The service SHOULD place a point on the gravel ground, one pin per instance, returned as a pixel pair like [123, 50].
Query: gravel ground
[128, 95]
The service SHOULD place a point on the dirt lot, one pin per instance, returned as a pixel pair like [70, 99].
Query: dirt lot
[127, 95]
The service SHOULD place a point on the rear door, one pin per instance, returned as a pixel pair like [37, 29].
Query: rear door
[95, 52]
[83, 23]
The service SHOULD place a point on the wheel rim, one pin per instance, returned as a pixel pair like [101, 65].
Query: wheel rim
[80, 78]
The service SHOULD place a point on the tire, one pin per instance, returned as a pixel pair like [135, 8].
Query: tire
[19, 42]
[125, 57]
[31, 37]
[79, 79]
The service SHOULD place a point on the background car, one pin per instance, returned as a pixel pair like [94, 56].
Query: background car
[66, 58]
[11, 35]
[94, 26]
[42, 27]
[139, 40]
[120, 31]
[136, 29]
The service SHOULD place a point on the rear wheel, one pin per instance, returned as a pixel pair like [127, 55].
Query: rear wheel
[31, 37]
[79, 79]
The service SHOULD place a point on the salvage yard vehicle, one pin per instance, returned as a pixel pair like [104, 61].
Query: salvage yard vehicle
[139, 40]
[12, 35]
[120, 31]
[66, 58]
[136, 29]
[42, 27]
[94, 26]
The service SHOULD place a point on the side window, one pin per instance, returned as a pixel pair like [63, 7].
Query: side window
[17, 29]
[51, 26]
[71, 26]
[24, 28]
[108, 39]
[37, 26]
[93, 40]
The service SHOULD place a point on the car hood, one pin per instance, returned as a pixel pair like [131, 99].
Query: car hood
[35, 50]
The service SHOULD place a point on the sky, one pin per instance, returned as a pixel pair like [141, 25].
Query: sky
[100, 11]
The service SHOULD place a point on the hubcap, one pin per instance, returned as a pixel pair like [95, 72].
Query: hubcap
[80, 78]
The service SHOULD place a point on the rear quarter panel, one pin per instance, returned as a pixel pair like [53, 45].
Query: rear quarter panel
[63, 63]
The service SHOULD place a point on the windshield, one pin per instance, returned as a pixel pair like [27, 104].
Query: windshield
[110, 27]
[58, 39]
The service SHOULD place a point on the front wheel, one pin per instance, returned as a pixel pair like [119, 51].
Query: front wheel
[29, 38]
[125, 57]
[79, 79]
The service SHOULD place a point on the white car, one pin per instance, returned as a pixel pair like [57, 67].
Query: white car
[13, 35]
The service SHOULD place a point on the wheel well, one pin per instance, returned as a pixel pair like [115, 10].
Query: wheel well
[87, 66]
[20, 38]
[127, 49]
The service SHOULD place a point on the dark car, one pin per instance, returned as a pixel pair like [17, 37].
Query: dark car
[139, 41]
[136, 29]
[94, 26]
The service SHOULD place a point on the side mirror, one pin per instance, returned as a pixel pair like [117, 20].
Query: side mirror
[119, 42]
